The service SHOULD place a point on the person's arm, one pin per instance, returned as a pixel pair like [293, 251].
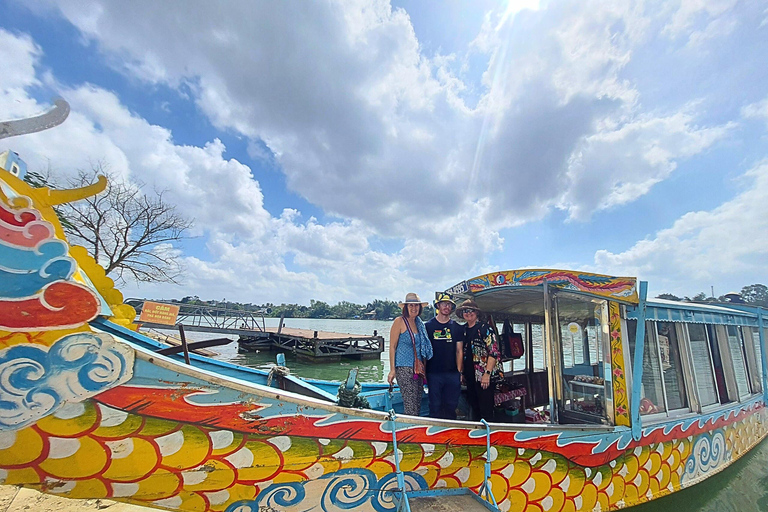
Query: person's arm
[460, 356]
[394, 335]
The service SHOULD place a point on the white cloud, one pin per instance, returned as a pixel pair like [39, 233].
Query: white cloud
[757, 110]
[724, 245]
[617, 166]
[367, 127]
[568, 111]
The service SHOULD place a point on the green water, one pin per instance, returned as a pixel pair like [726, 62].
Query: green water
[368, 371]
[743, 487]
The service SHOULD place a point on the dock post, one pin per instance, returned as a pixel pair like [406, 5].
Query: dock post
[280, 326]
[184, 343]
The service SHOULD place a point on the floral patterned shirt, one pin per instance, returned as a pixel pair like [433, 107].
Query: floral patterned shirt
[480, 343]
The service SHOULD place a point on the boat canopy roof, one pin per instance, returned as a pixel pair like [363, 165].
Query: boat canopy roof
[502, 283]
[519, 291]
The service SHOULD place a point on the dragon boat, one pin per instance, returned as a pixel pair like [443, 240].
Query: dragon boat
[631, 399]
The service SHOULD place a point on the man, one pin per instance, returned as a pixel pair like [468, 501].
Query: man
[444, 369]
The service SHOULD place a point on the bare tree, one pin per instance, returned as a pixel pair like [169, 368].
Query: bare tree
[128, 232]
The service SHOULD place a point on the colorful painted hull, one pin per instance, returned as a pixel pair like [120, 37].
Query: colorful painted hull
[87, 411]
[179, 438]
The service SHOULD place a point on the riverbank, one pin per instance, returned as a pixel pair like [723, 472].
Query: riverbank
[15, 499]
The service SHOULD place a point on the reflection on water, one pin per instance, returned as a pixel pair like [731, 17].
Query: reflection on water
[742, 487]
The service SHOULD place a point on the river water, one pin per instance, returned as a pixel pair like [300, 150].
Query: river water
[742, 487]
[368, 371]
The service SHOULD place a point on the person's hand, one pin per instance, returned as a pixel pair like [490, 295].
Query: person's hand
[485, 381]
[391, 377]
[463, 380]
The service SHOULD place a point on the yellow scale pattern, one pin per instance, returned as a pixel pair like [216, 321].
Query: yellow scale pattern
[619, 379]
[90, 450]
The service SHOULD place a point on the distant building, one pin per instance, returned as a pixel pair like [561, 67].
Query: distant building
[734, 297]
[11, 162]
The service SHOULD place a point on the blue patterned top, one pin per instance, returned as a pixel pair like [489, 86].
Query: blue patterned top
[404, 350]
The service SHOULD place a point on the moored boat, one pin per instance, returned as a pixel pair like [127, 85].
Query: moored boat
[634, 398]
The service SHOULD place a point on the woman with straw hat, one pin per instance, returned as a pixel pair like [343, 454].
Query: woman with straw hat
[481, 352]
[409, 347]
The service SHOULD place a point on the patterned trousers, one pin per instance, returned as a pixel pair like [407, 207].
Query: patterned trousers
[410, 389]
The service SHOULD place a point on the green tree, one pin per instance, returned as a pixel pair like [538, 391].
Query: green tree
[319, 309]
[756, 294]
[668, 296]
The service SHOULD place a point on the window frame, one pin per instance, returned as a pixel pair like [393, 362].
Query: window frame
[700, 406]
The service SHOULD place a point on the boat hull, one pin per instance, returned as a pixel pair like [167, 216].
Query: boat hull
[184, 439]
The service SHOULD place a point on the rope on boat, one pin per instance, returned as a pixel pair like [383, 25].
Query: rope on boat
[280, 371]
[351, 398]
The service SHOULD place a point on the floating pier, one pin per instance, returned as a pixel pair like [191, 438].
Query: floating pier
[314, 345]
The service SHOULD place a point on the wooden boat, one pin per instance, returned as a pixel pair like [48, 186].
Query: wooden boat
[645, 397]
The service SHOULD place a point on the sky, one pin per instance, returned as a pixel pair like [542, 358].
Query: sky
[362, 149]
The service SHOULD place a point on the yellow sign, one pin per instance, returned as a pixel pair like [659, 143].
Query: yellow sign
[157, 313]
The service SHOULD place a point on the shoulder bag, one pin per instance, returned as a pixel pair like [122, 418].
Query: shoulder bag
[419, 369]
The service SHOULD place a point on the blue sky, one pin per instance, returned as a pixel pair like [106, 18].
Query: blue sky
[359, 150]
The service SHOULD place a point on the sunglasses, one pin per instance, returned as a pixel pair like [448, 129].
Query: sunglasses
[468, 311]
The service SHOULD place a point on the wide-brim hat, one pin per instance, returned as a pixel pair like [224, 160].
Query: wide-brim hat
[412, 298]
[467, 305]
[444, 297]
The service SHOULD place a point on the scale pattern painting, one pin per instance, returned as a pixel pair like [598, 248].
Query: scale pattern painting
[89, 414]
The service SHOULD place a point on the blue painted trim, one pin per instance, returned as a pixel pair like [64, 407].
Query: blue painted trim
[485, 489]
[452, 491]
[403, 503]
[687, 313]
[637, 363]
[761, 333]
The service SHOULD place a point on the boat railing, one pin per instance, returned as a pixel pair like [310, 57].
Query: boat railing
[401, 494]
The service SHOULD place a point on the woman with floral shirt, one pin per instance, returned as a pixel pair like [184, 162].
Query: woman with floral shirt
[481, 352]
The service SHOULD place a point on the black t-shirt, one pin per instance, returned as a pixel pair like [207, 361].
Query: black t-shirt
[444, 338]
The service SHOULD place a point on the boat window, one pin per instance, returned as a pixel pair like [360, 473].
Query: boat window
[537, 347]
[595, 345]
[702, 365]
[756, 357]
[671, 367]
[651, 388]
[519, 364]
[717, 363]
[584, 382]
[735, 346]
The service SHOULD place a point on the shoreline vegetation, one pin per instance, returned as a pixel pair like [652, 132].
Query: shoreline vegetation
[344, 310]
[754, 294]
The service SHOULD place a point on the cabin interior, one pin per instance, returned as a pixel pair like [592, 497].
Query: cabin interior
[580, 325]
[692, 362]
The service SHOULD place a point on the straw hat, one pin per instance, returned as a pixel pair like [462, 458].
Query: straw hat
[467, 305]
[412, 298]
[444, 297]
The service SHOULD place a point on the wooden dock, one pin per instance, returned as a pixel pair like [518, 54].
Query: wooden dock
[317, 346]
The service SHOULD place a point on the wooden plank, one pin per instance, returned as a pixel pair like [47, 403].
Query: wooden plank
[321, 335]
[196, 345]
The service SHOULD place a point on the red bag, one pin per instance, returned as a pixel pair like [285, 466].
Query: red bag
[512, 342]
